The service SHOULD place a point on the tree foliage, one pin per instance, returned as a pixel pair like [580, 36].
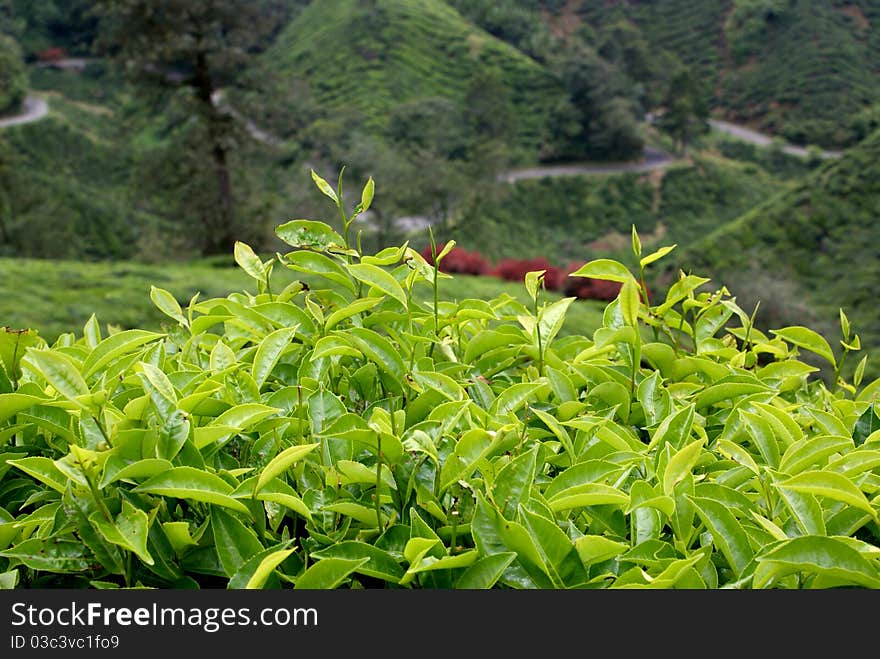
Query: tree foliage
[198, 48]
[13, 77]
[685, 110]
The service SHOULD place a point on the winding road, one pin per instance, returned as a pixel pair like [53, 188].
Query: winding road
[33, 109]
[760, 139]
[653, 159]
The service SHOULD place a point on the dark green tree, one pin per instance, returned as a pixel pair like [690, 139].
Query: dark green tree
[197, 48]
[685, 110]
[13, 77]
[600, 106]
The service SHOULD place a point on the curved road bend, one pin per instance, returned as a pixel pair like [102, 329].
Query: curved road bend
[33, 109]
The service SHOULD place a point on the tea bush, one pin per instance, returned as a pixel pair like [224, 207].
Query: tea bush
[351, 436]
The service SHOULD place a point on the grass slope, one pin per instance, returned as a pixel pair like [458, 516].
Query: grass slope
[372, 56]
[816, 243]
[59, 296]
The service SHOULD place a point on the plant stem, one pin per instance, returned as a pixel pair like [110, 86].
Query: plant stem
[379, 477]
[538, 335]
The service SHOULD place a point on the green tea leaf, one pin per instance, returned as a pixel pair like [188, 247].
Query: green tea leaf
[128, 530]
[485, 572]
[282, 462]
[804, 337]
[315, 263]
[377, 278]
[44, 470]
[829, 484]
[51, 554]
[727, 533]
[269, 352]
[596, 548]
[380, 351]
[194, 484]
[308, 234]
[606, 269]
[513, 482]
[59, 371]
[13, 346]
[249, 261]
[629, 302]
[244, 416]
[235, 542]
[818, 555]
[114, 346]
[379, 563]
[266, 568]
[680, 465]
[354, 308]
[328, 573]
[589, 494]
[533, 281]
[805, 509]
[515, 396]
[656, 256]
[367, 194]
[324, 187]
[674, 429]
[167, 304]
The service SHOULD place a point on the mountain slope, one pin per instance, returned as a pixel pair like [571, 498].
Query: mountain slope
[370, 56]
[817, 244]
[807, 69]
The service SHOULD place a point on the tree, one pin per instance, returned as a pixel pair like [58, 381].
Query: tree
[199, 47]
[13, 77]
[686, 111]
[600, 106]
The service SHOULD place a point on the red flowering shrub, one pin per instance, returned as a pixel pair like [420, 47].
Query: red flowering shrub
[461, 261]
[458, 261]
[516, 269]
[555, 278]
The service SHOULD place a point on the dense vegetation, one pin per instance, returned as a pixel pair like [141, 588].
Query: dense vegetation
[13, 77]
[350, 416]
[806, 70]
[568, 218]
[352, 436]
[815, 246]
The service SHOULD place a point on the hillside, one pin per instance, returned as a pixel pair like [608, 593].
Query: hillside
[369, 58]
[808, 70]
[580, 217]
[815, 246]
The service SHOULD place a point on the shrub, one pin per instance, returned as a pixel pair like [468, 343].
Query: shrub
[516, 269]
[458, 261]
[342, 434]
[13, 76]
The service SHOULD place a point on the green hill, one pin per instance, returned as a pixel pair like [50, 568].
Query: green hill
[808, 250]
[576, 218]
[806, 69]
[370, 57]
